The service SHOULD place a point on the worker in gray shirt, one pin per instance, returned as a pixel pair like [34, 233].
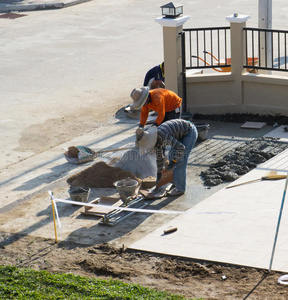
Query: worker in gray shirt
[180, 137]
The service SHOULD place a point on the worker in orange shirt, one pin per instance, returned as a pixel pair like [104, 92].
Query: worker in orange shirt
[165, 102]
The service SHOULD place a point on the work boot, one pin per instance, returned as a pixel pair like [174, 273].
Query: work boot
[175, 192]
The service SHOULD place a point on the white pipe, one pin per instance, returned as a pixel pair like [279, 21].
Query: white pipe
[265, 22]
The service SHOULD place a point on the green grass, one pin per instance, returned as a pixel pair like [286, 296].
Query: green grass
[19, 283]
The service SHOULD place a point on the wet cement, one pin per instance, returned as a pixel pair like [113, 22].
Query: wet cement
[242, 160]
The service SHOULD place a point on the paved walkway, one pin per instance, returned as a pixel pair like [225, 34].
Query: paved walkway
[235, 225]
[29, 5]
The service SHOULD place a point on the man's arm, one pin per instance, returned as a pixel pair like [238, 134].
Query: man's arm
[144, 115]
[159, 159]
[160, 104]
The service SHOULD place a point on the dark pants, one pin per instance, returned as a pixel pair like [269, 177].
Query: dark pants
[171, 115]
[179, 172]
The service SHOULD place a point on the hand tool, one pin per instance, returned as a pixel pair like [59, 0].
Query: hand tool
[73, 151]
[167, 176]
[271, 176]
[170, 230]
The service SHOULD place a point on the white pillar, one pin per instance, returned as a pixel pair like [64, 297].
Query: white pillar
[172, 51]
[237, 23]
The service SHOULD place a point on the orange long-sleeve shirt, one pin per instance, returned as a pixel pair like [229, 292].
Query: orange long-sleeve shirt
[162, 101]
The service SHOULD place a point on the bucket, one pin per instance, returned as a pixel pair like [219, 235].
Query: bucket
[127, 186]
[79, 194]
[202, 131]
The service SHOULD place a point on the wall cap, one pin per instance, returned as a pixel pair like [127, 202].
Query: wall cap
[238, 18]
[169, 22]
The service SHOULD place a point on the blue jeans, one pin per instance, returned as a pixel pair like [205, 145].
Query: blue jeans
[179, 171]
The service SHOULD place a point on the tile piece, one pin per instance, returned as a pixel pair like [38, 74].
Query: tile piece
[253, 125]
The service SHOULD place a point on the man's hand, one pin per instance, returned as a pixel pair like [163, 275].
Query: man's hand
[139, 133]
[171, 164]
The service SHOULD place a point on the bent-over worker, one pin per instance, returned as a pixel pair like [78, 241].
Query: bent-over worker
[166, 103]
[155, 77]
[181, 136]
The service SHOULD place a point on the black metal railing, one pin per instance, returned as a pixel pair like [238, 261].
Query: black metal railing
[266, 49]
[208, 48]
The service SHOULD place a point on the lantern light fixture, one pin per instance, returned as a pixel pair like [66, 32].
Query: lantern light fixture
[172, 10]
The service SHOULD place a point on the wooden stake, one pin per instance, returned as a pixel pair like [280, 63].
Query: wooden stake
[53, 210]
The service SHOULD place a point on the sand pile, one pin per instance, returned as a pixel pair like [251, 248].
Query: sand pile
[99, 175]
[142, 166]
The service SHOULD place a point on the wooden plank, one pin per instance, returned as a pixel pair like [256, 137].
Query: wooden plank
[111, 203]
[95, 201]
[94, 214]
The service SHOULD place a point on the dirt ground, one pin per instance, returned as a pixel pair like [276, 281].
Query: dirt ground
[189, 278]
[55, 131]
[175, 275]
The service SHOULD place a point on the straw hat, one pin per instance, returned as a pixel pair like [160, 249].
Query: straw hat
[148, 140]
[139, 96]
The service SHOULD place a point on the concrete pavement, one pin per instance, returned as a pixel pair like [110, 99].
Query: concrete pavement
[30, 5]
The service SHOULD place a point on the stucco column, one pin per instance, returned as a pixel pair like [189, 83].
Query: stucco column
[172, 51]
[237, 23]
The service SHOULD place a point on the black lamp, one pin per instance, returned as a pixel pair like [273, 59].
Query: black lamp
[171, 10]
